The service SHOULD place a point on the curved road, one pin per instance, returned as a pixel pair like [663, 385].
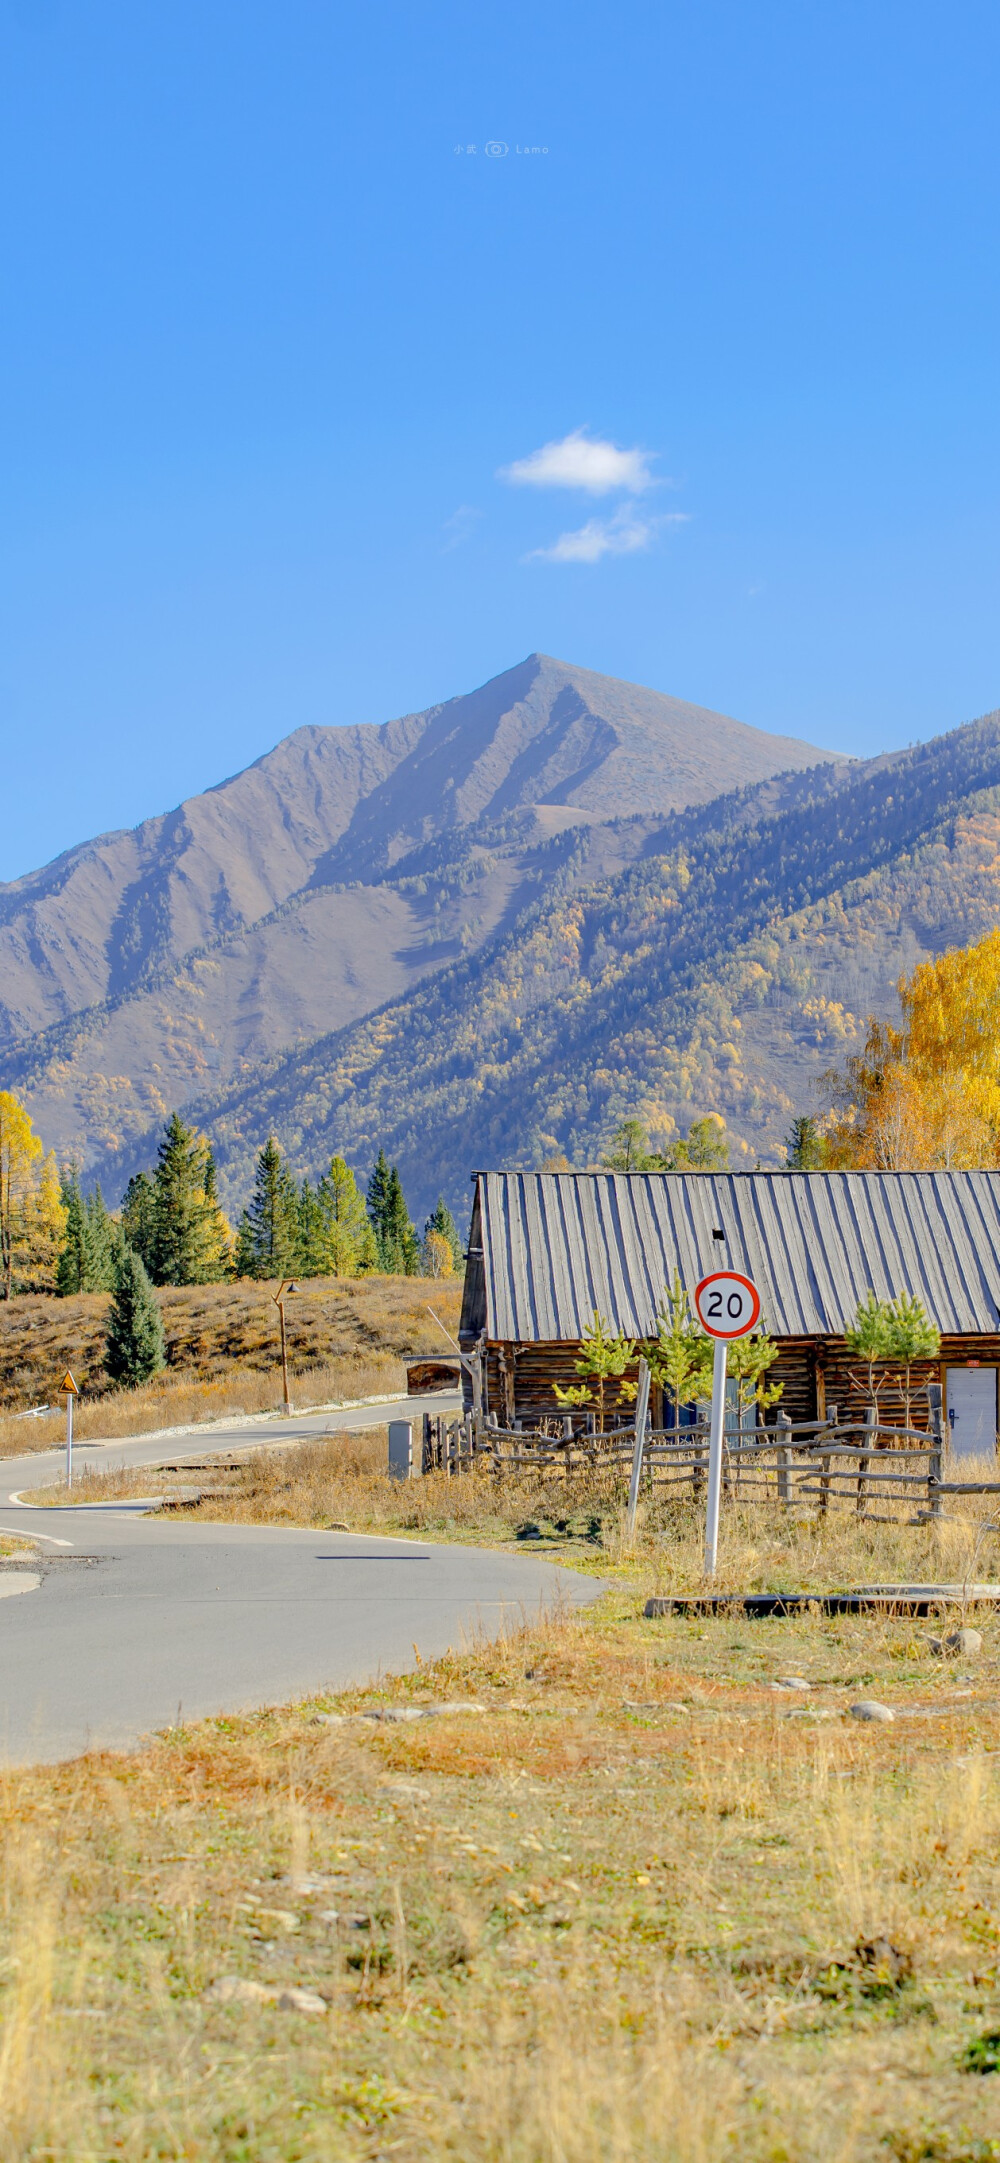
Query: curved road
[134, 1622]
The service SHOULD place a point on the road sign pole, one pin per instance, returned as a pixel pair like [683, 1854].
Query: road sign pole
[715, 1446]
[69, 1438]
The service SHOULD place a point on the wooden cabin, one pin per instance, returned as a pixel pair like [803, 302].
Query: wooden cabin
[547, 1249]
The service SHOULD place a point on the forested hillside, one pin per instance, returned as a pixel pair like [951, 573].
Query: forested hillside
[338, 872]
[722, 970]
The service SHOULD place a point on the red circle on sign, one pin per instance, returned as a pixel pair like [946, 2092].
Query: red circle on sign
[714, 1305]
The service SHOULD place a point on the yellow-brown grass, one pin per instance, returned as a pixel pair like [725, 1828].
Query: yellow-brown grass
[347, 1338]
[641, 1906]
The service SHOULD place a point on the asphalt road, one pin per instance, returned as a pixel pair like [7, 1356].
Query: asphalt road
[135, 1622]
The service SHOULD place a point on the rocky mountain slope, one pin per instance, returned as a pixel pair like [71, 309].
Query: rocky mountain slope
[337, 873]
[730, 957]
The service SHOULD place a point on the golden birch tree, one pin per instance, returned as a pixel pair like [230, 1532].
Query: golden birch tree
[32, 1216]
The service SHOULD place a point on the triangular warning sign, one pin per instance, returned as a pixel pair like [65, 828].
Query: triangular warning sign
[67, 1387]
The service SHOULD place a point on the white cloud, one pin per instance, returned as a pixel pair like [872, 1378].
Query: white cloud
[623, 534]
[582, 461]
[460, 526]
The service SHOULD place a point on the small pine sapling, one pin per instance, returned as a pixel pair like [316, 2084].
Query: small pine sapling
[747, 1362]
[868, 1338]
[680, 1355]
[604, 1357]
[910, 1335]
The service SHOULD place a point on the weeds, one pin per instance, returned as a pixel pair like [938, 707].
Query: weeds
[550, 1933]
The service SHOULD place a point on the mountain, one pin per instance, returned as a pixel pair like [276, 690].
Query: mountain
[729, 960]
[338, 872]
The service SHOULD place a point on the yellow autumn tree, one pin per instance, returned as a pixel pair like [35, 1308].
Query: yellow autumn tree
[32, 1216]
[926, 1096]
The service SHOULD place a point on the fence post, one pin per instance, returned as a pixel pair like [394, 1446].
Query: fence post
[935, 1462]
[863, 1464]
[824, 1484]
[784, 1459]
[641, 1417]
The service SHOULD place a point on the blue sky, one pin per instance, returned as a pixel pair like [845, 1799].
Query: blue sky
[273, 335]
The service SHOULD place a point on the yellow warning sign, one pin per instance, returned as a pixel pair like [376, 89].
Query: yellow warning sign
[67, 1387]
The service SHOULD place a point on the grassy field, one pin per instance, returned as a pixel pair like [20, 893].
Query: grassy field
[641, 1903]
[347, 1338]
[643, 1891]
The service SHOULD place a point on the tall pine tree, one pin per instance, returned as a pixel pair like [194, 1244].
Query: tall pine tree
[311, 1242]
[71, 1268]
[139, 1217]
[92, 1242]
[350, 1243]
[190, 1235]
[400, 1247]
[377, 1203]
[268, 1242]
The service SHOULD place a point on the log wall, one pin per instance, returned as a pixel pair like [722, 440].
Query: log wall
[817, 1372]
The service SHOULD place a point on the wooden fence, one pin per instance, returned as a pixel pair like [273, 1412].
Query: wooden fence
[874, 1471]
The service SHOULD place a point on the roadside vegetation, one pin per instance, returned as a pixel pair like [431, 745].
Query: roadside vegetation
[342, 1480]
[642, 1903]
[347, 1339]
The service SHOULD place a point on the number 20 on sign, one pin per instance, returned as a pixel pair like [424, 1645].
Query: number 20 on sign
[727, 1305]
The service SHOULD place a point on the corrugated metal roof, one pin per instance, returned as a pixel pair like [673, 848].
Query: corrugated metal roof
[557, 1245]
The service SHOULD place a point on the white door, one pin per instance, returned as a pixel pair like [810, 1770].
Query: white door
[972, 1411]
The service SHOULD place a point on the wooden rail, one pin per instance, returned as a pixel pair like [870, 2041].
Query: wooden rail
[815, 1464]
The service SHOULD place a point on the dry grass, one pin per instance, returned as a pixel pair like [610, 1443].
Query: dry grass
[346, 1339]
[633, 1909]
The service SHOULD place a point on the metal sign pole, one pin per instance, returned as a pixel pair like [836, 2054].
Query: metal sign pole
[715, 1455]
[727, 1305]
[69, 1438]
[641, 1412]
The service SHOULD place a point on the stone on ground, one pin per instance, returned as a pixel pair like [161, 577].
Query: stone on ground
[958, 1644]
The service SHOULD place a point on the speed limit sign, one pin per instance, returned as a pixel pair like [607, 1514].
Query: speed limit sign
[726, 1304]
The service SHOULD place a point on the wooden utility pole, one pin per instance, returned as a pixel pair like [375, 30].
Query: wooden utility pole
[279, 1298]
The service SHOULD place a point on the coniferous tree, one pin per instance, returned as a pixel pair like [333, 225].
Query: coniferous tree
[349, 1239]
[244, 1259]
[139, 1218]
[103, 1242]
[135, 1348]
[400, 1246]
[92, 1241]
[71, 1268]
[269, 1229]
[805, 1148]
[311, 1243]
[190, 1238]
[442, 1222]
[377, 1202]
